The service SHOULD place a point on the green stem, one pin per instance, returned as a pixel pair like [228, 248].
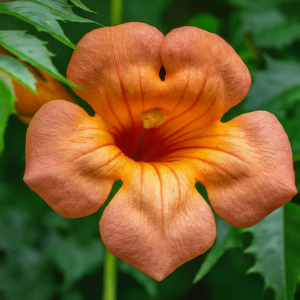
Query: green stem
[116, 7]
[110, 261]
[110, 277]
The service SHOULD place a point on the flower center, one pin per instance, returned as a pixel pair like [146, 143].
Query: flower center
[139, 143]
[152, 118]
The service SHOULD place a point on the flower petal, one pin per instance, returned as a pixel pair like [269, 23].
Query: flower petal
[245, 164]
[204, 77]
[157, 220]
[71, 160]
[118, 67]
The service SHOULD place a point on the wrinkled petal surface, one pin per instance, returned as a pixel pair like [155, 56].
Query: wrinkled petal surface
[71, 159]
[118, 68]
[72, 163]
[245, 164]
[158, 220]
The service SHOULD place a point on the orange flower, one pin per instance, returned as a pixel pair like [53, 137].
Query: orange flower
[47, 87]
[159, 138]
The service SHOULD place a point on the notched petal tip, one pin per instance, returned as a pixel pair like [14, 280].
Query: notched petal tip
[163, 260]
[254, 174]
[207, 68]
[116, 64]
[152, 226]
[71, 160]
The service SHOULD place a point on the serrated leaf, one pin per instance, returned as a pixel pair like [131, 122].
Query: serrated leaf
[268, 247]
[148, 283]
[17, 71]
[227, 238]
[79, 4]
[32, 50]
[62, 10]
[292, 249]
[7, 99]
[276, 247]
[37, 15]
[278, 77]
[76, 260]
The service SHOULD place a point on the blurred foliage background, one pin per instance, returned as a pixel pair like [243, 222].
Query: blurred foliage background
[45, 257]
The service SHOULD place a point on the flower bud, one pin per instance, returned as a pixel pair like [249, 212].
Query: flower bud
[48, 88]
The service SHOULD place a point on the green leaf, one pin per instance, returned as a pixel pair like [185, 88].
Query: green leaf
[256, 21]
[207, 22]
[270, 28]
[7, 99]
[259, 4]
[76, 260]
[278, 77]
[292, 248]
[22, 264]
[39, 16]
[15, 229]
[150, 12]
[227, 238]
[269, 246]
[73, 295]
[62, 10]
[26, 269]
[30, 49]
[280, 105]
[292, 128]
[255, 4]
[148, 283]
[79, 4]
[276, 246]
[297, 173]
[278, 36]
[17, 71]
[286, 107]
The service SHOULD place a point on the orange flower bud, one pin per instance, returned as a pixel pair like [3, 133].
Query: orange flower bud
[48, 89]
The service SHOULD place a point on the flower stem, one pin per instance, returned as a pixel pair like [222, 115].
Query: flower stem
[110, 277]
[110, 261]
[116, 7]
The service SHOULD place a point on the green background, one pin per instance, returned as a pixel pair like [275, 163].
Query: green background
[44, 256]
